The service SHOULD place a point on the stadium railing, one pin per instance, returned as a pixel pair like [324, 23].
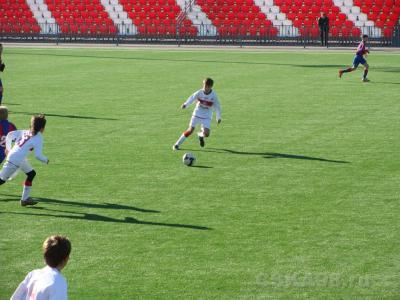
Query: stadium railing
[197, 34]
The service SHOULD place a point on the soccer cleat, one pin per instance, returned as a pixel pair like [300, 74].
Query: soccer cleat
[365, 80]
[175, 147]
[340, 73]
[201, 141]
[28, 201]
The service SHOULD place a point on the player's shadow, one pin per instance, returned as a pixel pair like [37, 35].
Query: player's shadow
[384, 82]
[100, 218]
[63, 116]
[333, 66]
[84, 204]
[273, 155]
[180, 60]
[11, 104]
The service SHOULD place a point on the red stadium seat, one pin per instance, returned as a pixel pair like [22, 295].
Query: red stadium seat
[356, 32]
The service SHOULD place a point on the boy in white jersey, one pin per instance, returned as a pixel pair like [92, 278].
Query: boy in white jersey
[207, 101]
[25, 141]
[47, 283]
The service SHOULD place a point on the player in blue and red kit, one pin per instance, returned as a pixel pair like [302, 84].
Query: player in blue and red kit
[5, 128]
[359, 59]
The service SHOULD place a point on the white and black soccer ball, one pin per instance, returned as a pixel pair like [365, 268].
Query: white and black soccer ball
[188, 159]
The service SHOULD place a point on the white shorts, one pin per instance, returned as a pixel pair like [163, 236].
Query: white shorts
[9, 169]
[205, 123]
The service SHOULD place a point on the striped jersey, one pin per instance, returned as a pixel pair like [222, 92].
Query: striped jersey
[206, 104]
[25, 142]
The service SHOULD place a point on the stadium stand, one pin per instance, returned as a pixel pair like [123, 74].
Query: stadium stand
[157, 17]
[237, 17]
[225, 18]
[16, 17]
[81, 17]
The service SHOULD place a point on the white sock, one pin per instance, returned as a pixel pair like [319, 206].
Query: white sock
[25, 192]
[181, 140]
[200, 134]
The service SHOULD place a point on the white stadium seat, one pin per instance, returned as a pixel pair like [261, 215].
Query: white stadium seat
[345, 10]
[123, 15]
[197, 22]
[109, 8]
[348, 3]
[43, 7]
[362, 17]
[338, 2]
[352, 17]
[355, 10]
[274, 9]
[46, 14]
[271, 16]
[38, 14]
[287, 23]
[201, 15]
[359, 23]
[281, 16]
[34, 7]
[369, 23]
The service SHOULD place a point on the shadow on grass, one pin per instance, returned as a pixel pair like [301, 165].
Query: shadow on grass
[100, 218]
[270, 155]
[201, 167]
[63, 116]
[333, 66]
[182, 60]
[84, 204]
[383, 82]
[10, 104]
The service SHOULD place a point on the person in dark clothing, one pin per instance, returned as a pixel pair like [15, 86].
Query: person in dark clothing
[323, 24]
[2, 66]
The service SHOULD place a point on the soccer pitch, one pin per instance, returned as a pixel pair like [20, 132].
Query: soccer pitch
[295, 196]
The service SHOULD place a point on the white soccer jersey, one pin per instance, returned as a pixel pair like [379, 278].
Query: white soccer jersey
[205, 104]
[42, 284]
[25, 141]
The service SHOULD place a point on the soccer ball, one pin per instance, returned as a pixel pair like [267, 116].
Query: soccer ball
[188, 159]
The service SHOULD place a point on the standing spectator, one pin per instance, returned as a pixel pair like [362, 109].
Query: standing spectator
[47, 283]
[5, 128]
[323, 24]
[2, 66]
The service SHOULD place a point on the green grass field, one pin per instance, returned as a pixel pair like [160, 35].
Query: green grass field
[296, 194]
